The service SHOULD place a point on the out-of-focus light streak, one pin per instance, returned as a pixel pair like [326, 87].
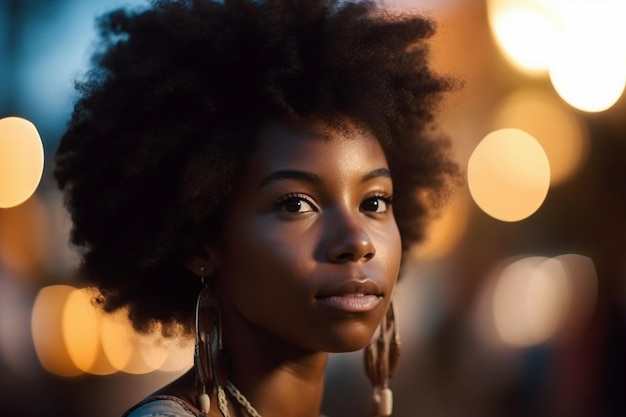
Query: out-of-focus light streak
[508, 175]
[553, 124]
[21, 160]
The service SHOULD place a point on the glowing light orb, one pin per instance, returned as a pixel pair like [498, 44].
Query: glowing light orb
[126, 350]
[47, 333]
[525, 30]
[590, 78]
[80, 330]
[588, 69]
[529, 300]
[21, 160]
[536, 299]
[508, 175]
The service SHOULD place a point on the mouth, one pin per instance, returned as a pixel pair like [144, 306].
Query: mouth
[352, 296]
[352, 303]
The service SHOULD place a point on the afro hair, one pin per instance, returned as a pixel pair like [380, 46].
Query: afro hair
[175, 99]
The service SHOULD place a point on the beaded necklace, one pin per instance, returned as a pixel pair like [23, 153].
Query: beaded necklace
[222, 402]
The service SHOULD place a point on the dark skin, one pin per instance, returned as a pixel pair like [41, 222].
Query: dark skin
[307, 264]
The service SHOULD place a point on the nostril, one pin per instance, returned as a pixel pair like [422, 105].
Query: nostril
[345, 257]
[350, 256]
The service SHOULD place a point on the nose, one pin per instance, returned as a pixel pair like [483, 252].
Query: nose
[348, 241]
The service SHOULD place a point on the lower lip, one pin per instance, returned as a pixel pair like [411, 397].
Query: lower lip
[352, 303]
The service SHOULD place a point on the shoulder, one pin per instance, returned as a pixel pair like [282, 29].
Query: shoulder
[163, 406]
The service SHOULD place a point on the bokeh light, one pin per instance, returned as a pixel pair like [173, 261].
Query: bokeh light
[149, 355]
[529, 300]
[525, 30]
[124, 348]
[580, 43]
[534, 300]
[115, 339]
[134, 353]
[46, 327]
[508, 175]
[21, 160]
[553, 124]
[588, 69]
[180, 355]
[443, 355]
[80, 330]
[72, 337]
[582, 281]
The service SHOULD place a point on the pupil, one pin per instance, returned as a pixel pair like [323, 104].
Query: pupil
[293, 206]
[372, 205]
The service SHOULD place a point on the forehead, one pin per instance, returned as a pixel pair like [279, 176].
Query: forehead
[317, 147]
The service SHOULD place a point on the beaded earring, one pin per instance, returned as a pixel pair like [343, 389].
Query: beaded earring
[208, 346]
[208, 356]
[381, 362]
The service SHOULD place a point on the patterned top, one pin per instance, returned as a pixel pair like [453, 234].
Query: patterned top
[164, 406]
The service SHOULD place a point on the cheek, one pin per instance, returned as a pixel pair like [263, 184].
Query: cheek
[389, 248]
[264, 259]
[264, 242]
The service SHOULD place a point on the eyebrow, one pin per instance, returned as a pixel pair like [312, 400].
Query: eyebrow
[291, 175]
[380, 172]
[314, 178]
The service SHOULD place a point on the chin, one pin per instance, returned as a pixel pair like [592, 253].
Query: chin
[349, 340]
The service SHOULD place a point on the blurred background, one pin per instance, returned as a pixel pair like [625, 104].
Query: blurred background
[514, 305]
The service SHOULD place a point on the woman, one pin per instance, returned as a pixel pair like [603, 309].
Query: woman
[251, 172]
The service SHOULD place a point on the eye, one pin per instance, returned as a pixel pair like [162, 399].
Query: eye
[376, 204]
[295, 203]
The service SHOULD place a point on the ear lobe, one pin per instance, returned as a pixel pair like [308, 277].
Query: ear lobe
[203, 265]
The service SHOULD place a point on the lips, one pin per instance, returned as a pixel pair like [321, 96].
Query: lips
[352, 296]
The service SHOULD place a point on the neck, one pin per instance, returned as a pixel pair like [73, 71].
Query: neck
[277, 378]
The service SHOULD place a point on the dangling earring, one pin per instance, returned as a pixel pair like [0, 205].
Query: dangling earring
[381, 362]
[208, 347]
[208, 356]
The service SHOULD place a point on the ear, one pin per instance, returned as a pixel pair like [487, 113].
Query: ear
[204, 264]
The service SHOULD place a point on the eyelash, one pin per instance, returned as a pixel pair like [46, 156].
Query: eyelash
[281, 203]
[387, 199]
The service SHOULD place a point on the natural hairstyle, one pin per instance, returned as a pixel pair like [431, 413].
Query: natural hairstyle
[172, 107]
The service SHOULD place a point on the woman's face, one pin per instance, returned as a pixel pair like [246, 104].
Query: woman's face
[310, 250]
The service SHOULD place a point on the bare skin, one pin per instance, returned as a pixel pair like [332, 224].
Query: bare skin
[307, 264]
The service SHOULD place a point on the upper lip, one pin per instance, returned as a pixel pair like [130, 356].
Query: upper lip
[352, 287]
